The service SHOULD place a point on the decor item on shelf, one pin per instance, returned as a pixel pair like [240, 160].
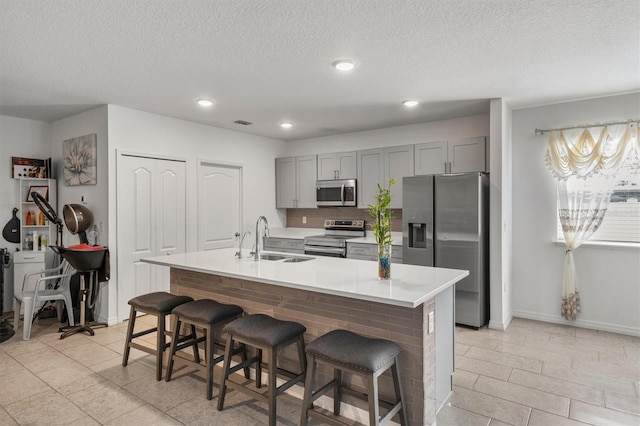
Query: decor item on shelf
[42, 190]
[80, 160]
[381, 228]
[30, 168]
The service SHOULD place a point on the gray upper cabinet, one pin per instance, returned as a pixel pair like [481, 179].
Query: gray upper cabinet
[378, 166]
[461, 156]
[340, 165]
[398, 163]
[370, 173]
[431, 158]
[468, 155]
[296, 182]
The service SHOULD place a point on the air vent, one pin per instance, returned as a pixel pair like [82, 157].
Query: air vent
[244, 123]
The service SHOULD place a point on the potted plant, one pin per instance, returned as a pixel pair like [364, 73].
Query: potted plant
[381, 228]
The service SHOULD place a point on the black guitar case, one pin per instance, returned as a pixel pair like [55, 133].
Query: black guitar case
[11, 231]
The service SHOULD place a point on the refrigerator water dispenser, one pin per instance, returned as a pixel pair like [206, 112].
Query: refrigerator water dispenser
[418, 235]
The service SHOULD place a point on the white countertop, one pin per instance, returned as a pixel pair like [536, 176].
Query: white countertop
[410, 285]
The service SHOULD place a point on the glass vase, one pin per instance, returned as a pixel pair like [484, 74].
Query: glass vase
[384, 262]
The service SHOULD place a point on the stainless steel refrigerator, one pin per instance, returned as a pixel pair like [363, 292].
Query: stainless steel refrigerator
[445, 223]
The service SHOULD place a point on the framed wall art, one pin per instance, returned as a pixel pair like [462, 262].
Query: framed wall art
[42, 190]
[79, 155]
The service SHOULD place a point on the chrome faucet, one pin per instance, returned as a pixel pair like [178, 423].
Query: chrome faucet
[239, 252]
[256, 252]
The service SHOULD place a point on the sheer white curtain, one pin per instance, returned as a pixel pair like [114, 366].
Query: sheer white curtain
[581, 213]
[586, 153]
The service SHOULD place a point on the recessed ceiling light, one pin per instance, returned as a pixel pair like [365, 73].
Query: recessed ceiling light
[410, 104]
[344, 65]
[205, 102]
[286, 125]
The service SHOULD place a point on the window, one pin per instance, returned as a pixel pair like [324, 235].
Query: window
[621, 223]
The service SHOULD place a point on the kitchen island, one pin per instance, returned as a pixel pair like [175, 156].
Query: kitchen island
[325, 293]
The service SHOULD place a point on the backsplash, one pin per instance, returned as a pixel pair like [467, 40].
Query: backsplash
[316, 217]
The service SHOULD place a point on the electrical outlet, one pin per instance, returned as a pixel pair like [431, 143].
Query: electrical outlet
[304, 219]
[431, 324]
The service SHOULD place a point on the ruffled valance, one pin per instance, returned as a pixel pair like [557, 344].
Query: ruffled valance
[584, 152]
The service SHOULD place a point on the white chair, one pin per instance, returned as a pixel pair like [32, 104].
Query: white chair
[40, 294]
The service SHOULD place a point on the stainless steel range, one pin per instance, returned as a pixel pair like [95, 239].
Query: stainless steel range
[334, 241]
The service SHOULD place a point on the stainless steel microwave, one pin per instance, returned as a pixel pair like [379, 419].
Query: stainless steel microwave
[336, 193]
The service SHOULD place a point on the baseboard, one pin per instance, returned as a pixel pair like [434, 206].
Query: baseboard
[110, 321]
[500, 325]
[593, 325]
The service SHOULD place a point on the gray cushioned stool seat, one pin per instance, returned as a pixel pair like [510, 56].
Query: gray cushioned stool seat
[270, 335]
[264, 330]
[353, 350]
[160, 301]
[209, 315]
[206, 311]
[345, 351]
[159, 304]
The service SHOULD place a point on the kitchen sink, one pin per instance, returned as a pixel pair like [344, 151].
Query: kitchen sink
[284, 258]
[272, 257]
[297, 259]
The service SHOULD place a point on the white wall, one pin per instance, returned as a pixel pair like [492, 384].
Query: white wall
[133, 131]
[608, 277]
[149, 134]
[141, 132]
[96, 200]
[457, 128]
[18, 138]
[500, 215]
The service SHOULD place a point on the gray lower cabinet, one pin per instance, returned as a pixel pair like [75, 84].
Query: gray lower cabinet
[285, 245]
[363, 251]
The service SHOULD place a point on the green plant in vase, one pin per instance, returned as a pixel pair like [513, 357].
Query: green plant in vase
[381, 228]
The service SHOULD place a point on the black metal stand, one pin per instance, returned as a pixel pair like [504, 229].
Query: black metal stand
[82, 327]
[6, 329]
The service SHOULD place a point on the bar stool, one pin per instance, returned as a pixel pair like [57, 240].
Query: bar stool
[159, 304]
[265, 334]
[350, 352]
[208, 315]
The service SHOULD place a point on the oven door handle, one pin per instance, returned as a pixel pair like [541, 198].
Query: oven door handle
[316, 249]
[342, 195]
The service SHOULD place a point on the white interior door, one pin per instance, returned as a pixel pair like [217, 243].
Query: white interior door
[150, 222]
[219, 206]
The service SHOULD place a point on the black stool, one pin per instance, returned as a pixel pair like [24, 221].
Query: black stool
[347, 351]
[207, 314]
[159, 304]
[265, 334]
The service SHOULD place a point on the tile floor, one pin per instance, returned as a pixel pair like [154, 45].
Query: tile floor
[534, 374]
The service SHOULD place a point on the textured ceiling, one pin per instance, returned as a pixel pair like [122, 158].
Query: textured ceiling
[267, 61]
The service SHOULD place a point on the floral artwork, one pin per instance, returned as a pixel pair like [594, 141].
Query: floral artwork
[79, 156]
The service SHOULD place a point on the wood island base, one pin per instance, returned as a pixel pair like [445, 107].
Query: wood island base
[321, 313]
